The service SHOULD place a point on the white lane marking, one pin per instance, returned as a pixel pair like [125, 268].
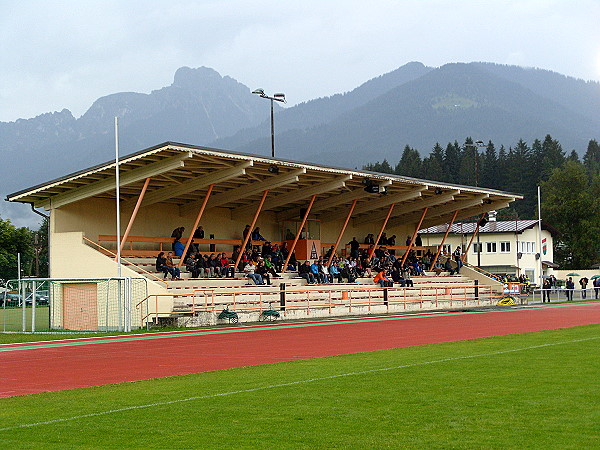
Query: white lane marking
[291, 383]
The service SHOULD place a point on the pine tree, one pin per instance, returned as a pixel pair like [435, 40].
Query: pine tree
[410, 164]
[452, 159]
[489, 167]
[553, 157]
[591, 159]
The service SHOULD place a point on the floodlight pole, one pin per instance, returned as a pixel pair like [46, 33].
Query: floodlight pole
[278, 98]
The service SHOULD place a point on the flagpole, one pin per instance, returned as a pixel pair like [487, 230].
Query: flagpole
[539, 199]
[118, 195]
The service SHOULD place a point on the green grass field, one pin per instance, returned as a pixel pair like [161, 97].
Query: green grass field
[536, 390]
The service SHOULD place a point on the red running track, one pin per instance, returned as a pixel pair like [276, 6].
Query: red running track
[58, 365]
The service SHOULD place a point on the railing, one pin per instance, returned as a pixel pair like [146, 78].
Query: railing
[110, 252]
[481, 271]
[214, 300]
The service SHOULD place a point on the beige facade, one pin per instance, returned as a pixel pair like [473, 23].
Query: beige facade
[508, 252]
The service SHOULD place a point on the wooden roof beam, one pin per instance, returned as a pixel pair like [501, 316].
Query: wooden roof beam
[376, 203]
[333, 201]
[194, 184]
[300, 194]
[467, 212]
[415, 207]
[246, 191]
[108, 184]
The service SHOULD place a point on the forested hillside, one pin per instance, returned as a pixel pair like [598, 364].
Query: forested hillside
[570, 187]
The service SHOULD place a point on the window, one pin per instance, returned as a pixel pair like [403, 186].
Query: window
[505, 247]
[491, 247]
[446, 248]
[477, 247]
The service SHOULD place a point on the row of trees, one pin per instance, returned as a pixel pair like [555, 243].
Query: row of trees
[33, 250]
[570, 187]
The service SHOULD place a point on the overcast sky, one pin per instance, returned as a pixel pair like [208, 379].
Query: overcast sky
[66, 54]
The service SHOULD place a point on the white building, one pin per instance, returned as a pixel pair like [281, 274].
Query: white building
[509, 247]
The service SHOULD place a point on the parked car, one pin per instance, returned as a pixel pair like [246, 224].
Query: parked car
[9, 299]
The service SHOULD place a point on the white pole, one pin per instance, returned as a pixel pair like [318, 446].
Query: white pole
[118, 194]
[22, 294]
[540, 233]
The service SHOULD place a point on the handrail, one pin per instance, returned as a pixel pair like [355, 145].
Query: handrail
[479, 269]
[349, 297]
[126, 260]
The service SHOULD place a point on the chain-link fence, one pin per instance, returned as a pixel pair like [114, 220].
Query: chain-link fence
[83, 304]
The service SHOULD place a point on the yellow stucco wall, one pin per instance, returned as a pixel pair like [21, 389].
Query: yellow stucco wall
[96, 216]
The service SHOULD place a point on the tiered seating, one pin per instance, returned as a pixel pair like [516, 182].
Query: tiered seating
[191, 296]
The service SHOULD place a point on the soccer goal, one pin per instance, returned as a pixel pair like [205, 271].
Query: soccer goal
[79, 304]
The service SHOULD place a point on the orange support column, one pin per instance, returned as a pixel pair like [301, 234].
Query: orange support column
[464, 255]
[249, 235]
[291, 250]
[437, 255]
[198, 217]
[414, 235]
[382, 228]
[133, 215]
[337, 243]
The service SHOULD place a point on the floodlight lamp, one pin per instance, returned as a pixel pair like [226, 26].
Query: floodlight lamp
[273, 169]
[279, 97]
[438, 191]
[479, 144]
[260, 92]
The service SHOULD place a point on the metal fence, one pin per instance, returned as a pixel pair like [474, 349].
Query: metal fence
[77, 304]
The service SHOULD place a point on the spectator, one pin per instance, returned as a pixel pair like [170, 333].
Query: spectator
[418, 241]
[369, 239]
[161, 265]
[596, 287]
[305, 272]
[174, 271]
[570, 286]
[334, 272]
[261, 270]
[178, 233]
[383, 279]
[190, 265]
[583, 283]
[249, 270]
[289, 236]
[546, 287]
[198, 234]
[354, 246]
[314, 268]
[448, 267]
[178, 248]
[256, 236]
[457, 257]
[406, 275]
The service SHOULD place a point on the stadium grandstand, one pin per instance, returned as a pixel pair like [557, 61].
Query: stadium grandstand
[310, 211]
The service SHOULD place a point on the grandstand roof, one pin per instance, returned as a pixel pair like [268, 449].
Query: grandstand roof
[181, 174]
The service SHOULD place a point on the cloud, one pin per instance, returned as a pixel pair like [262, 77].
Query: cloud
[66, 54]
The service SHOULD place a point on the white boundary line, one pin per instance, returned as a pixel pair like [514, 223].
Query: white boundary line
[291, 383]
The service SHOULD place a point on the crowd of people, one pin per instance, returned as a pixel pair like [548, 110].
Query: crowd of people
[262, 263]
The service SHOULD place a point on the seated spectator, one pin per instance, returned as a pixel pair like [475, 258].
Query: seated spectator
[261, 270]
[383, 279]
[227, 268]
[437, 268]
[448, 267]
[366, 265]
[214, 266]
[320, 277]
[161, 265]
[178, 247]
[249, 270]
[397, 276]
[270, 266]
[305, 272]
[334, 272]
[190, 265]
[173, 270]
[406, 275]
[324, 271]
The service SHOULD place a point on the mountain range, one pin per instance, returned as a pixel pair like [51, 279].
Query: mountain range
[413, 105]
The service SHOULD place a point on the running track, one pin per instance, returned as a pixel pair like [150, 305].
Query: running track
[57, 365]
